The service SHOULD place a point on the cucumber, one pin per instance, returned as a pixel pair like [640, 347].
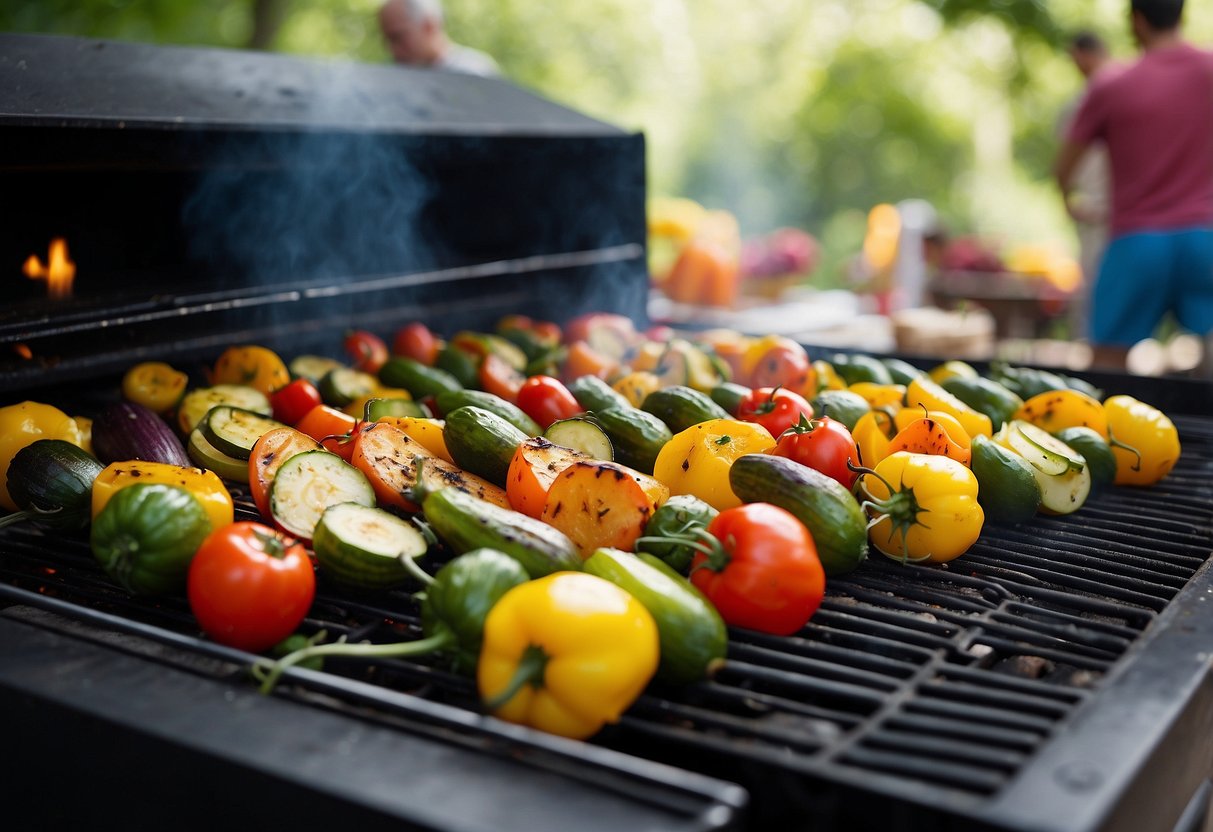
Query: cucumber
[460, 364]
[841, 405]
[1095, 450]
[682, 407]
[636, 435]
[729, 396]
[691, 632]
[985, 396]
[825, 506]
[902, 372]
[197, 403]
[341, 385]
[678, 515]
[51, 481]
[452, 400]
[312, 367]
[464, 523]
[417, 378]
[310, 482]
[233, 431]
[1006, 485]
[859, 367]
[205, 455]
[363, 547]
[593, 393]
[581, 434]
[481, 442]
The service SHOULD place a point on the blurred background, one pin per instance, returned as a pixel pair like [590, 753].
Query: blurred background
[759, 117]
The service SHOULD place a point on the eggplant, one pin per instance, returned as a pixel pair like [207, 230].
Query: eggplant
[126, 430]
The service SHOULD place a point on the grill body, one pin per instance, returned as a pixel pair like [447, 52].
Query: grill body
[1054, 678]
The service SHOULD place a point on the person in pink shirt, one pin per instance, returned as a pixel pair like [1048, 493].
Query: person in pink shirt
[1156, 120]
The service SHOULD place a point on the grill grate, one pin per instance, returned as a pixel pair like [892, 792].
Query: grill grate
[940, 680]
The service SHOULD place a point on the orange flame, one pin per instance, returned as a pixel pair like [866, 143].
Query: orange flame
[24, 351]
[59, 271]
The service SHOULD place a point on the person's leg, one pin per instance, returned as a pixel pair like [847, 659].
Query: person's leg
[1193, 297]
[1131, 295]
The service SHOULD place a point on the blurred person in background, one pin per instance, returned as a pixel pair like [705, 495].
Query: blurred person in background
[416, 36]
[1090, 192]
[1156, 119]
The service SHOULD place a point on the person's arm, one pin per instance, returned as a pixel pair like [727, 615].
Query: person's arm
[1064, 165]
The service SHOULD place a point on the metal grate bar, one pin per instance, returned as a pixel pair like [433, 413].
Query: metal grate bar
[944, 748]
[965, 730]
[759, 651]
[912, 766]
[819, 668]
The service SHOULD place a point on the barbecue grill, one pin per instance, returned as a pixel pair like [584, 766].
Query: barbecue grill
[1056, 677]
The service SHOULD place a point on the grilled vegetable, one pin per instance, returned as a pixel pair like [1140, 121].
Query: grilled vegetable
[582, 434]
[457, 601]
[931, 514]
[697, 460]
[366, 548]
[1006, 485]
[601, 504]
[636, 386]
[431, 433]
[1060, 471]
[389, 459]
[758, 566]
[464, 523]
[680, 407]
[250, 586]
[203, 485]
[1101, 461]
[197, 403]
[417, 378]
[252, 366]
[1154, 441]
[269, 453]
[985, 396]
[146, 536]
[309, 483]
[534, 468]
[691, 632]
[235, 431]
[637, 437]
[928, 436]
[680, 515]
[453, 400]
[125, 430]
[879, 395]
[592, 393]
[155, 385]
[482, 442]
[923, 392]
[462, 366]
[566, 654]
[902, 372]
[312, 367]
[826, 508]
[729, 396]
[342, 385]
[292, 402]
[205, 455]
[51, 481]
[1056, 410]
[25, 423]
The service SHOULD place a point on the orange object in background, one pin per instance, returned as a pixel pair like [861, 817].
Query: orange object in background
[58, 272]
[704, 273]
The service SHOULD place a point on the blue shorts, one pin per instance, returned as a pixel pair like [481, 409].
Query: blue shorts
[1147, 274]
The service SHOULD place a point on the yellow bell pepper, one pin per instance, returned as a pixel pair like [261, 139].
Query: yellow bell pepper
[256, 367]
[956, 431]
[880, 395]
[204, 485]
[827, 377]
[951, 369]
[25, 423]
[932, 515]
[427, 432]
[1149, 432]
[873, 433]
[922, 391]
[1056, 410]
[357, 407]
[155, 385]
[85, 426]
[697, 460]
[636, 385]
[566, 654]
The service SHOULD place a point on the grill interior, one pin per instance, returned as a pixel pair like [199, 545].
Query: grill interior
[927, 684]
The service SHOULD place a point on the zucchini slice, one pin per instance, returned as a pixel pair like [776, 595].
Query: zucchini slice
[234, 431]
[310, 482]
[205, 455]
[312, 367]
[197, 403]
[583, 435]
[364, 547]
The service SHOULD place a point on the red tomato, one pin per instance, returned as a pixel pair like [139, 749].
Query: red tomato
[250, 586]
[775, 361]
[291, 402]
[366, 349]
[823, 444]
[499, 378]
[546, 400]
[415, 341]
[775, 408]
[766, 575]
